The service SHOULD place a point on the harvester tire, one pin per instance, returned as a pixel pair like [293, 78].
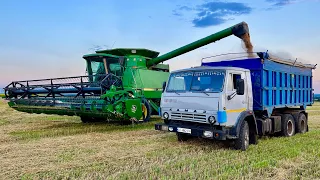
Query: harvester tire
[301, 123]
[148, 109]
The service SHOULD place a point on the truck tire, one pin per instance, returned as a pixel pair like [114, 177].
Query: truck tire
[242, 143]
[182, 137]
[287, 125]
[301, 123]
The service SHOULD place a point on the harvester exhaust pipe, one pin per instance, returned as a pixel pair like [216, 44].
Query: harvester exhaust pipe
[240, 30]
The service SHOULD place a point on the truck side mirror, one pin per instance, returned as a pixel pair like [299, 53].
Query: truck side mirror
[164, 86]
[240, 87]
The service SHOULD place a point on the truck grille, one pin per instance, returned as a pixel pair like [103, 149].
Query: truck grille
[194, 117]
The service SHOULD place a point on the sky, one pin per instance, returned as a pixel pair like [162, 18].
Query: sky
[44, 39]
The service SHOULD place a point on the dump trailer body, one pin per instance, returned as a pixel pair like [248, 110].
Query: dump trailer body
[275, 83]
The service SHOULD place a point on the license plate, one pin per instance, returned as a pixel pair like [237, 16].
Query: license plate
[184, 130]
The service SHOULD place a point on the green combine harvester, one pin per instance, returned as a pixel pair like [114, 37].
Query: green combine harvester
[121, 84]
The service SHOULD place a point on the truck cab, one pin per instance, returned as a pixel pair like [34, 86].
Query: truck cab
[206, 94]
[206, 101]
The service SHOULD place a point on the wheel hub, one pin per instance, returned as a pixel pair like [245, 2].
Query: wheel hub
[144, 111]
[290, 128]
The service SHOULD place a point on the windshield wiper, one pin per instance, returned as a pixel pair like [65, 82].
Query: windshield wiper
[205, 93]
[173, 91]
[200, 91]
[176, 92]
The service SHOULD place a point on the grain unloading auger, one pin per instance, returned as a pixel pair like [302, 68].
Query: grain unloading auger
[123, 84]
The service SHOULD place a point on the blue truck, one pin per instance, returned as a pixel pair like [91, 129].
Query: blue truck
[238, 99]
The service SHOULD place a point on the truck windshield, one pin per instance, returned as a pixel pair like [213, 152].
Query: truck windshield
[200, 81]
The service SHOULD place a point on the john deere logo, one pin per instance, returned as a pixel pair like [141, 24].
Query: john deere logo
[133, 108]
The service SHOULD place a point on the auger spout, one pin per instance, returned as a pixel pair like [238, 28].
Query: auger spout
[238, 30]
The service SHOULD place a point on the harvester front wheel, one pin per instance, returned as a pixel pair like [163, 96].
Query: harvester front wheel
[146, 110]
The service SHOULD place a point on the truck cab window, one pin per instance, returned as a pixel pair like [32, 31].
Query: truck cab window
[232, 81]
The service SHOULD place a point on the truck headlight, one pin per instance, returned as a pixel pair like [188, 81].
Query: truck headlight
[212, 119]
[165, 115]
[208, 134]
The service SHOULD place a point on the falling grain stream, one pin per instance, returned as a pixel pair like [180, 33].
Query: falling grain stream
[247, 42]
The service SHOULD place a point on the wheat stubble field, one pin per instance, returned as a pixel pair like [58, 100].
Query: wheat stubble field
[60, 147]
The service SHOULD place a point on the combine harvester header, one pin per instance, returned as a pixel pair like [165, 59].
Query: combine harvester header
[122, 83]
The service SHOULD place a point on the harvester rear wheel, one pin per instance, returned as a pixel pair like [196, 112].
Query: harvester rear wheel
[146, 110]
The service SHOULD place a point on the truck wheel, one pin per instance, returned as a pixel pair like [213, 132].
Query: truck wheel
[301, 123]
[288, 125]
[146, 110]
[182, 137]
[242, 143]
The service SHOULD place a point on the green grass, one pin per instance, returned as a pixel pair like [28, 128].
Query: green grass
[61, 147]
[2, 96]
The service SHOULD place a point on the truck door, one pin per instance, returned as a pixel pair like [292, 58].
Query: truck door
[235, 103]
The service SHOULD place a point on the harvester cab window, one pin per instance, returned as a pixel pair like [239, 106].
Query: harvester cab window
[104, 65]
[97, 68]
[114, 66]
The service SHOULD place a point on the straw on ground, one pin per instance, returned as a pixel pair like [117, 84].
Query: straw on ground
[61, 147]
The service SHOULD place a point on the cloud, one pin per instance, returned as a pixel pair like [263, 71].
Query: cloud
[280, 3]
[186, 8]
[176, 13]
[277, 4]
[208, 20]
[215, 12]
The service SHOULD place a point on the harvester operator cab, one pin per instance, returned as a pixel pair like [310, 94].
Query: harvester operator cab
[99, 65]
[106, 70]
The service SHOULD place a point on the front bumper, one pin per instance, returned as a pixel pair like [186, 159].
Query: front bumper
[203, 132]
